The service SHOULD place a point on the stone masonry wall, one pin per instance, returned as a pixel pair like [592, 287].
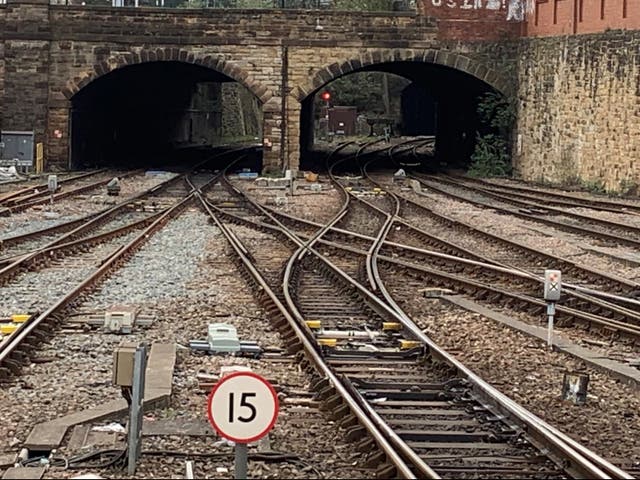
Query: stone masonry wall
[2, 66]
[53, 51]
[579, 109]
[240, 110]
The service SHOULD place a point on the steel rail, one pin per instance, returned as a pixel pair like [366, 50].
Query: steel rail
[509, 199]
[14, 341]
[579, 292]
[627, 328]
[562, 263]
[568, 450]
[44, 197]
[565, 199]
[372, 254]
[25, 191]
[593, 466]
[11, 346]
[50, 251]
[310, 346]
[87, 222]
[95, 220]
[304, 247]
[93, 223]
[617, 239]
[584, 461]
[583, 467]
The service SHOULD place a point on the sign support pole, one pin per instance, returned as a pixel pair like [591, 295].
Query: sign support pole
[242, 407]
[242, 460]
[551, 311]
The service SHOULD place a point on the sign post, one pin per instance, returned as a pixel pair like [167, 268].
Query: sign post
[52, 184]
[243, 408]
[552, 289]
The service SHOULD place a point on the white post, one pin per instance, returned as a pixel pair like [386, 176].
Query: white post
[551, 311]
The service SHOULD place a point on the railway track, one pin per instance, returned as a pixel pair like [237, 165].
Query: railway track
[85, 262]
[21, 248]
[516, 289]
[81, 184]
[378, 372]
[503, 251]
[13, 196]
[611, 232]
[555, 198]
[465, 272]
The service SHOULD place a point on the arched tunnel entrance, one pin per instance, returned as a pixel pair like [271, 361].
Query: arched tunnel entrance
[142, 115]
[429, 99]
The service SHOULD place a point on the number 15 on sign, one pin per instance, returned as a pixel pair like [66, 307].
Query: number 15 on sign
[242, 407]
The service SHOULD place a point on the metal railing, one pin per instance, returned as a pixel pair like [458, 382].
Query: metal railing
[356, 5]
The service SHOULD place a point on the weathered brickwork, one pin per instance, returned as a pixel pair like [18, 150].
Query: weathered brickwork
[557, 17]
[472, 20]
[579, 108]
[51, 52]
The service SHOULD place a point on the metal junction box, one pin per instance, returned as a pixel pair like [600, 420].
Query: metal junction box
[16, 148]
[123, 360]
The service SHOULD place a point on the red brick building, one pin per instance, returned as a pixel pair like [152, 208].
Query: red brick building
[476, 19]
[566, 17]
[499, 19]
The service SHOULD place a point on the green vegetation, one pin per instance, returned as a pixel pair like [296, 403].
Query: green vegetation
[492, 156]
[628, 188]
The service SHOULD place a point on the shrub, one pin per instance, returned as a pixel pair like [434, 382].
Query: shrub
[491, 156]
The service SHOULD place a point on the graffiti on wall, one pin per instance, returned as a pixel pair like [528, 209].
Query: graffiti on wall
[516, 9]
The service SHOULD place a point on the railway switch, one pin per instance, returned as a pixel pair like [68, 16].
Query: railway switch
[314, 324]
[408, 344]
[552, 285]
[391, 327]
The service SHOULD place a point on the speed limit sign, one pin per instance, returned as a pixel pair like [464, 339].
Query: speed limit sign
[243, 407]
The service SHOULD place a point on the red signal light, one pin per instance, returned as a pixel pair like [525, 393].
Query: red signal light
[325, 96]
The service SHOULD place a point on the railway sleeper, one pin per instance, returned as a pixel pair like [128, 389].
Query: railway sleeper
[294, 347]
[375, 458]
[386, 470]
[13, 365]
[416, 394]
[355, 433]
[332, 403]
[347, 419]
[320, 385]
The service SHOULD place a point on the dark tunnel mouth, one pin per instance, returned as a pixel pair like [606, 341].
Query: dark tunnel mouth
[148, 114]
[452, 115]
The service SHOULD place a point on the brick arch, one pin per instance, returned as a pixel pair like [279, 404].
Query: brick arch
[214, 62]
[433, 56]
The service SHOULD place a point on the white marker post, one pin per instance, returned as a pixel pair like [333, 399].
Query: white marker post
[552, 289]
[242, 407]
[52, 184]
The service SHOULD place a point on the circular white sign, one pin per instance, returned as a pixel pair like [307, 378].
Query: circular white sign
[243, 407]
